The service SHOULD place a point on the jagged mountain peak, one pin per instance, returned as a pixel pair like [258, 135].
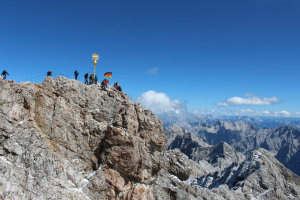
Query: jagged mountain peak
[283, 141]
[260, 173]
[65, 140]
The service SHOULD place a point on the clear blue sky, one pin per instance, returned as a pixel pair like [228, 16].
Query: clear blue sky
[204, 51]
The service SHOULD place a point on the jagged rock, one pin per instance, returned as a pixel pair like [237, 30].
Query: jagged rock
[232, 175]
[221, 155]
[64, 140]
[179, 138]
[261, 174]
[283, 141]
[55, 134]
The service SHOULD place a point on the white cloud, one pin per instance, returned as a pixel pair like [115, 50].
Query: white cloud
[159, 102]
[153, 71]
[254, 113]
[246, 111]
[167, 109]
[266, 112]
[249, 100]
[285, 113]
[222, 104]
[282, 113]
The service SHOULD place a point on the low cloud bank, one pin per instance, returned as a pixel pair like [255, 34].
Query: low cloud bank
[248, 100]
[172, 110]
[267, 113]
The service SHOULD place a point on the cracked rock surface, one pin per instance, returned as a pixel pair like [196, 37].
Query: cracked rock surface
[64, 140]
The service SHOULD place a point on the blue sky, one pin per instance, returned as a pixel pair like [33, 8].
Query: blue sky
[201, 52]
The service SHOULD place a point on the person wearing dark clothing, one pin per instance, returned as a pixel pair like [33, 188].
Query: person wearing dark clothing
[103, 86]
[96, 78]
[76, 74]
[86, 78]
[49, 73]
[4, 74]
[91, 79]
[119, 88]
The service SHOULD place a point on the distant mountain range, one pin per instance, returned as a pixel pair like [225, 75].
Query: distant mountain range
[282, 141]
[259, 121]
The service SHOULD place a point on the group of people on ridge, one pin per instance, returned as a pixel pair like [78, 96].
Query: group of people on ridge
[88, 79]
[93, 80]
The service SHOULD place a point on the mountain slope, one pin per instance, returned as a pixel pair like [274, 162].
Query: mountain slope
[283, 141]
[257, 175]
[64, 140]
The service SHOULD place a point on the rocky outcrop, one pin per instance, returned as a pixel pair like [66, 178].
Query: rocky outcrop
[64, 140]
[221, 155]
[179, 138]
[261, 174]
[228, 172]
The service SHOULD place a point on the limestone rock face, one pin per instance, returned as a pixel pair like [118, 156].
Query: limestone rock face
[64, 140]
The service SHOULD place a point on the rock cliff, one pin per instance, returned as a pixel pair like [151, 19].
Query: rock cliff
[64, 140]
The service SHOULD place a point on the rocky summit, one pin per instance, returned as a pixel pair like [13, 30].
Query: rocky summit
[65, 140]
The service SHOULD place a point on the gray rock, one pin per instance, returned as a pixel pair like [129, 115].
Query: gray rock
[64, 140]
[283, 141]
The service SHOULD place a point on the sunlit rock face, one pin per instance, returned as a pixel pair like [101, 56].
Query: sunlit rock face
[64, 140]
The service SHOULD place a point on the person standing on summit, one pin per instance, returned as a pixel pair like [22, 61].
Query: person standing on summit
[86, 78]
[96, 79]
[4, 74]
[76, 73]
[49, 73]
[91, 79]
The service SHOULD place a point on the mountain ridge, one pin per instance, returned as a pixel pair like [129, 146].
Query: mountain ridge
[65, 140]
[283, 141]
